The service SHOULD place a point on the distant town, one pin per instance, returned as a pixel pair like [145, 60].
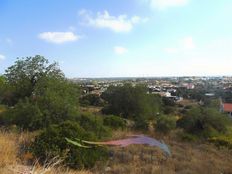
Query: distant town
[176, 88]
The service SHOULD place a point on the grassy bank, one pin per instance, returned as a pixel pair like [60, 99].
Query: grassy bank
[187, 158]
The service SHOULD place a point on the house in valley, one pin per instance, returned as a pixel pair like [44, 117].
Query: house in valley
[226, 108]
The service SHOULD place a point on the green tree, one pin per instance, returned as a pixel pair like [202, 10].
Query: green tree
[57, 99]
[165, 124]
[2, 87]
[91, 99]
[114, 122]
[131, 102]
[40, 93]
[25, 114]
[23, 76]
[204, 122]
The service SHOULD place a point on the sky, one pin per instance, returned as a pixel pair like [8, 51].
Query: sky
[120, 38]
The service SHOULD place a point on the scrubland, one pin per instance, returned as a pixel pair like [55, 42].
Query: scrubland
[186, 158]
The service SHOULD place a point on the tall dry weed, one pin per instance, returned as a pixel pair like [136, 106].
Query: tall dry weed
[8, 149]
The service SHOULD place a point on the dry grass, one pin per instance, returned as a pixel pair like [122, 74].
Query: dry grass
[14, 157]
[8, 149]
[187, 158]
[92, 109]
[54, 167]
[186, 102]
[51, 168]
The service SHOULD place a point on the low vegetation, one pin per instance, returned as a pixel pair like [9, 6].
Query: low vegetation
[51, 143]
[204, 122]
[35, 96]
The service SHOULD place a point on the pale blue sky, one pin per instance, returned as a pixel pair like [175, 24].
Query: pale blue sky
[120, 37]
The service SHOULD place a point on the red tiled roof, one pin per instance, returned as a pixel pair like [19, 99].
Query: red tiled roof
[227, 107]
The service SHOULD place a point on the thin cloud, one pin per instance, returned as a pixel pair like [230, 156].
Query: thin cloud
[2, 57]
[121, 23]
[120, 50]
[72, 28]
[58, 37]
[186, 43]
[164, 4]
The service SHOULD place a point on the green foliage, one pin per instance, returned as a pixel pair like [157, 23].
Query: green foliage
[222, 141]
[195, 94]
[168, 102]
[165, 124]
[91, 99]
[214, 103]
[141, 124]
[204, 122]
[94, 123]
[188, 137]
[2, 108]
[39, 93]
[57, 99]
[2, 87]
[169, 110]
[23, 76]
[51, 143]
[114, 122]
[131, 102]
[25, 114]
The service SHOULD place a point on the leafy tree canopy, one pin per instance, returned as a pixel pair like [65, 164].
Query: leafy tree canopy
[131, 102]
[205, 122]
[23, 76]
[40, 94]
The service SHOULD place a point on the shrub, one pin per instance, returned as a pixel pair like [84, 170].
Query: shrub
[141, 124]
[188, 107]
[25, 114]
[222, 141]
[2, 108]
[91, 99]
[114, 122]
[204, 122]
[165, 124]
[131, 102]
[183, 111]
[169, 110]
[51, 143]
[188, 137]
[94, 123]
[168, 101]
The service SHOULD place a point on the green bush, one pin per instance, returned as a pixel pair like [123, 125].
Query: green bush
[51, 143]
[222, 141]
[25, 114]
[204, 122]
[57, 99]
[114, 122]
[169, 110]
[131, 102]
[38, 94]
[91, 99]
[94, 123]
[165, 124]
[188, 137]
[141, 124]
